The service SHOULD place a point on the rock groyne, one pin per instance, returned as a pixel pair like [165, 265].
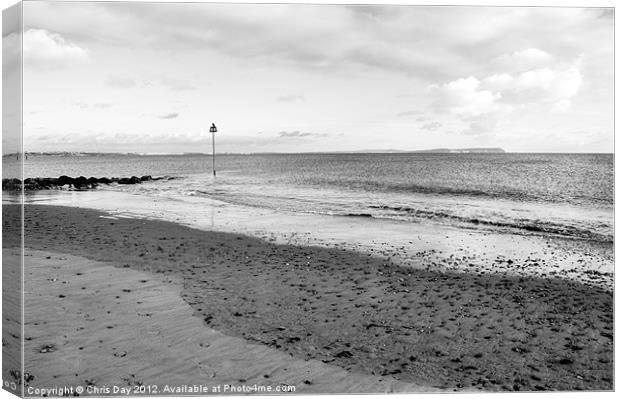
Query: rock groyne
[71, 183]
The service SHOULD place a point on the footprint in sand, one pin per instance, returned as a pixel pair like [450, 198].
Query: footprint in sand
[47, 348]
[153, 331]
[206, 369]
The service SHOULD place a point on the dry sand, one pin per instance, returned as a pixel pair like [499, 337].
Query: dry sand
[91, 324]
[360, 313]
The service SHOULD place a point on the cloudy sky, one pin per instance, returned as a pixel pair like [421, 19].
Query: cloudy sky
[132, 77]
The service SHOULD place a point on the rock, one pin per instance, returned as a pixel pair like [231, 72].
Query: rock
[31, 184]
[130, 180]
[65, 180]
[11, 185]
[46, 182]
[78, 183]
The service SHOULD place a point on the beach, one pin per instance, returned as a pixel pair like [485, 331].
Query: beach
[120, 332]
[226, 199]
[418, 322]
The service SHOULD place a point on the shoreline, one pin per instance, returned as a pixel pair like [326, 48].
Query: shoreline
[422, 245]
[362, 313]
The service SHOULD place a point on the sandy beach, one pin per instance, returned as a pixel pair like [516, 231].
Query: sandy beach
[114, 331]
[305, 310]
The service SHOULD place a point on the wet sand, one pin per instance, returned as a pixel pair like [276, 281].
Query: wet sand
[421, 244]
[361, 313]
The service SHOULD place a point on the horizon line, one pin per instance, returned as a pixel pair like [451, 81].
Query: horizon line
[379, 151]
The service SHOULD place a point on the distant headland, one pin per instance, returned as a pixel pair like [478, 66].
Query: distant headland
[487, 150]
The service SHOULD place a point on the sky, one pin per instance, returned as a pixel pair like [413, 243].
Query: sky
[152, 77]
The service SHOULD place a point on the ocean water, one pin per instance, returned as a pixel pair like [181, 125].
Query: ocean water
[556, 194]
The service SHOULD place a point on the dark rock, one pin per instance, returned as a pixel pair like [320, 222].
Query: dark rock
[46, 182]
[80, 182]
[130, 180]
[11, 184]
[31, 184]
[65, 180]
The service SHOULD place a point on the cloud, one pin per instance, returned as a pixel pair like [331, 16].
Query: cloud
[607, 13]
[465, 98]
[486, 103]
[489, 65]
[299, 134]
[45, 49]
[554, 87]
[408, 39]
[84, 105]
[432, 126]
[173, 115]
[120, 82]
[407, 113]
[177, 84]
[291, 98]
[523, 60]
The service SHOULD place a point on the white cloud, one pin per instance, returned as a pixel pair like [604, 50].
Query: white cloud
[465, 98]
[488, 102]
[553, 87]
[523, 60]
[45, 49]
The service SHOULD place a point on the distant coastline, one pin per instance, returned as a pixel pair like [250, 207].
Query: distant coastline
[484, 150]
[481, 150]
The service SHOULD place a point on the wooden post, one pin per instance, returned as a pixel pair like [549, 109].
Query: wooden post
[213, 136]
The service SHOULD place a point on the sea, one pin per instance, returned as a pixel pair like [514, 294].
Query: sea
[568, 195]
